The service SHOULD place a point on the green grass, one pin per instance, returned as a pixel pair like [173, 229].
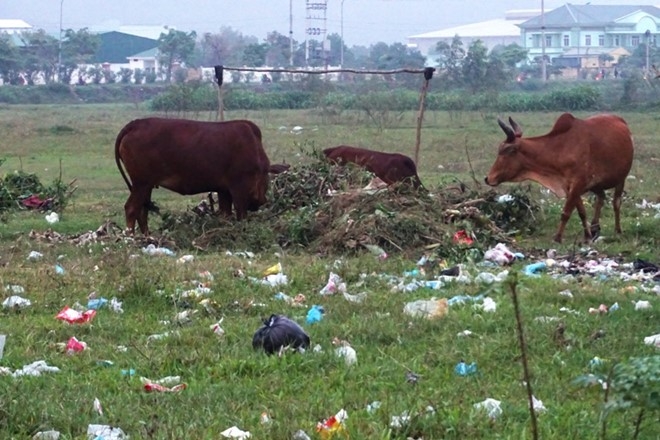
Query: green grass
[230, 384]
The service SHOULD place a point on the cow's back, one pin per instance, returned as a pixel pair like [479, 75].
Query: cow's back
[343, 154]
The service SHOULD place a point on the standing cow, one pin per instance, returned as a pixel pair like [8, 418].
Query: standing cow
[389, 167]
[192, 157]
[575, 157]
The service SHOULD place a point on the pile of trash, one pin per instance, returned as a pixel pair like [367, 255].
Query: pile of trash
[336, 210]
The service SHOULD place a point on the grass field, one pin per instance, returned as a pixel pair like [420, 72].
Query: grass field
[230, 384]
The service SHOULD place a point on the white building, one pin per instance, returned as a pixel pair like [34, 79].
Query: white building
[501, 31]
[13, 26]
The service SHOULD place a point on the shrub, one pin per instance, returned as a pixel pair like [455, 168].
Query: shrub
[138, 76]
[19, 185]
[125, 75]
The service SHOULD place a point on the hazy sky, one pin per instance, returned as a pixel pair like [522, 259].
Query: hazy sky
[365, 21]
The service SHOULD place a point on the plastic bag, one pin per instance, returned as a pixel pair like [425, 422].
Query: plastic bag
[430, 309]
[277, 332]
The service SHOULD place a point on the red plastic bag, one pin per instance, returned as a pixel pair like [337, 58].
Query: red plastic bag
[462, 237]
[75, 317]
[75, 346]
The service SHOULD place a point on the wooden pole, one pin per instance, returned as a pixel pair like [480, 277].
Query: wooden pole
[428, 74]
[221, 107]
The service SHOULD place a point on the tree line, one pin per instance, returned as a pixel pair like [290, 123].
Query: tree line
[37, 55]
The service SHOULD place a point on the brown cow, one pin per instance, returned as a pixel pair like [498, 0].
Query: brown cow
[576, 156]
[390, 167]
[191, 157]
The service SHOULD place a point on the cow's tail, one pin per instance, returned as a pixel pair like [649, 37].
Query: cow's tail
[118, 160]
[149, 204]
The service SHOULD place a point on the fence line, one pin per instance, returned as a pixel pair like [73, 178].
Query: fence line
[322, 71]
[427, 72]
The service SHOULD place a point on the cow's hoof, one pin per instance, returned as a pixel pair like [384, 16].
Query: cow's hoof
[557, 238]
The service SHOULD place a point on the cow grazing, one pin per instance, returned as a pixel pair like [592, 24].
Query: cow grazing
[275, 168]
[576, 156]
[192, 157]
[389, 167]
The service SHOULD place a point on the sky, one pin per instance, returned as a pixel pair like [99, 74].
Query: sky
[365, 22]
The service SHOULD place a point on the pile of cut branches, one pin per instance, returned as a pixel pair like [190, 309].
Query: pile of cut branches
[325, 209]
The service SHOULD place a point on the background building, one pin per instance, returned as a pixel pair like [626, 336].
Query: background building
[501, 31]
[590, 36]
[12, 25]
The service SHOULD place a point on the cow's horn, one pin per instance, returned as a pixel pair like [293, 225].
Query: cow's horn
[516, 128]
[510, 135]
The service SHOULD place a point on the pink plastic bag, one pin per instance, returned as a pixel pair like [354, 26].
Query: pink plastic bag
[75, 317]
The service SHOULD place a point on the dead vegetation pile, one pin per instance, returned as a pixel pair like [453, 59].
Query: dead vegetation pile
[325, 209]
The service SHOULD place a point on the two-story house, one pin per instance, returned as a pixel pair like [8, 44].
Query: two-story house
[590, 36]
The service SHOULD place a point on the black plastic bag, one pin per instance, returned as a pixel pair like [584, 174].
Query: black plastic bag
[277, 332]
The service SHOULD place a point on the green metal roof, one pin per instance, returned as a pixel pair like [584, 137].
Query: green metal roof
[150, 53]
[117, 47]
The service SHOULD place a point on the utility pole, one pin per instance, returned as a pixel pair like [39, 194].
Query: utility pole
[648, 42]
[290, 32]
[59, 48]
[543, 65]
[341, 50]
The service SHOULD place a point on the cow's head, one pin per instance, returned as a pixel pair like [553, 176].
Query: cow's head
[508, 164]
[258, 191]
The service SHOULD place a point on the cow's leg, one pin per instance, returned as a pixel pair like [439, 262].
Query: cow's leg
[583, 218]
[211, 202]
[130, 211]
[144, 213]
[595, 222]
[239, 198]
[224, 203]
[573, 200]
[136, 210]
[616, 204]
[240, 207]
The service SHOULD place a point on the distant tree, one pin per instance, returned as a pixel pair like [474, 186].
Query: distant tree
[277, 49]
[175, 47]
[511, 55]
[180, 75]
[138, 76]
[475, 66]
[396, 56]
[125, 75]
[78, 47]
[95, 73]
[637, 60]
[254, 55]
[223, 48]
[40, 54]
[360, 57]
[336, 44]
[10, 65]
[109, 76]
[450, 59]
